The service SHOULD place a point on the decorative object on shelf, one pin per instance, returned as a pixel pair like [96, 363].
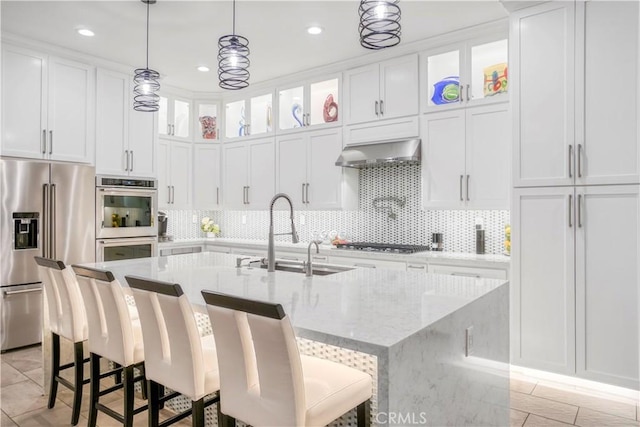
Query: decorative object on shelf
[296, 111]
[330, 110]
[243, 128]
[233, 59]
[507, 239]
[208, 226]
[495, 79]
[446, 90]
[146, 87]
[379, 23]
[208, 124]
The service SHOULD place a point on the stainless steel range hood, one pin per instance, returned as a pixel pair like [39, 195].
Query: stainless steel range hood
[382, 153]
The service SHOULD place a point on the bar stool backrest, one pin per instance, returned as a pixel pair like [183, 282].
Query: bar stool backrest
[261, 379]
[172, 344]
[67, 316]
[110, 326]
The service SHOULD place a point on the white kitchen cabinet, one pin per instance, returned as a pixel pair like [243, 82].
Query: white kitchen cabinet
[174, 174]
[309, 104]
[575, 281]
[248, 174]
[306, 170]
[368, 263]
[385, 90]
[250, 116]
[566, 130]
[206, 176]
[174, 118]
[48, 106]
[465, 158]
[125, 141]
[466, 74]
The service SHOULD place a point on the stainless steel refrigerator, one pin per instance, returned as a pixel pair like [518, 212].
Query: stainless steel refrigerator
[47, 210]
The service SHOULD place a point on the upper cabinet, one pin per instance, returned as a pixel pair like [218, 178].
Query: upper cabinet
[174, 118]
[566, 130]
[248, 174]
[48, 106]
[316, 102]
[251, 116]
[206, 125]
[125, 138]
[206, 176]
[465, 74]
[384, 90]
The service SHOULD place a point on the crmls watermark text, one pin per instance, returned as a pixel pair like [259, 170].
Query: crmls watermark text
[401, 418]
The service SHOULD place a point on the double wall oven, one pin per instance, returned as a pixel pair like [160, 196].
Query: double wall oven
[126, 225]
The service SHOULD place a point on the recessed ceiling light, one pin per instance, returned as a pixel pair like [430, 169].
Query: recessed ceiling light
[314, 30]
[203, 68]
[86, 32]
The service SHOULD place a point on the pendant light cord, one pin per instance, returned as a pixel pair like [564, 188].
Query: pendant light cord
[147, 34]
[234, 17]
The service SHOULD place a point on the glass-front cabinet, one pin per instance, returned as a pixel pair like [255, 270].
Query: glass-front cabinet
[249, 117]
[206, 125]
[174, 118]
[465, 74]
[313, 103]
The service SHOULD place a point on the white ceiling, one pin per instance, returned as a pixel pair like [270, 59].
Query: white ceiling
[184, 34]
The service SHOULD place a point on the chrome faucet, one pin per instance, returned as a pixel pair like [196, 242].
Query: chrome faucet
[308, 267]
[271, 251]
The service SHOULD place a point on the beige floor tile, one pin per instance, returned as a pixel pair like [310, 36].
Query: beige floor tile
[5, 421]
[536, 421]
[37, 375]
[58, 416]
[581, 399]
[10, 375]
[594, 392]
[65, 395]
[516, 418]
[590, 418]
[24, 359]
[543, 407]
[22, 397]
[522, 386]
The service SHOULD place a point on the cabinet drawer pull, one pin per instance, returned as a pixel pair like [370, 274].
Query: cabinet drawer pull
[320, 258]
[364, 265]
[477, 276]
[417, 267]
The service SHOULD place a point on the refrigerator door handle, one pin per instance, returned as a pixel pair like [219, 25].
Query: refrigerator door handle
[44, 239]
[52, 224]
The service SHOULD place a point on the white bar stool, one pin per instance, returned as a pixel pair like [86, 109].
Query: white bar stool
[264, 381]
[67, 319]
[114, 335]
[176, 356]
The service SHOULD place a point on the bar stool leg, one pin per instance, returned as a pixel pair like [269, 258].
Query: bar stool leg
[224, 420]
[154, 406]
[94, 383]
[127, 379]
[79, 378]
[364, 414]
[143, 383]
[197, 413]
[118, 375]
[55, 369]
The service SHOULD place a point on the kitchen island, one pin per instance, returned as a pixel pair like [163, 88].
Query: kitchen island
[408, 329]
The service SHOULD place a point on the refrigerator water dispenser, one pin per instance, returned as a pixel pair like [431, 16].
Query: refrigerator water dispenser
[25, 234]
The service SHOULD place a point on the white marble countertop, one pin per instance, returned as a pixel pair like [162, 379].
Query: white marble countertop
[363, 309]
[449, 258]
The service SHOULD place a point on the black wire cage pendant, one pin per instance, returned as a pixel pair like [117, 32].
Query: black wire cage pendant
[379, 23]
[146, 85]
[233, 59]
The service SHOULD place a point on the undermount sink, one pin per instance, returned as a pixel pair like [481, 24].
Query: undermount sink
[298, 267]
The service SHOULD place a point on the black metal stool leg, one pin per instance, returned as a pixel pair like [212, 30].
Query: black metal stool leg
[55, 369]
[127, 379]
[197, 413]
[364, 414]
[154, 407]
[78, 380]
[118, 375]
[143, 383]
[94, 389]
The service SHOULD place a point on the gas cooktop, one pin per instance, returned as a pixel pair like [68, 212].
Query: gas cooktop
[383, 247]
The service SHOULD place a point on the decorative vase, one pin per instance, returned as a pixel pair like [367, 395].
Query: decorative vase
[210, 234]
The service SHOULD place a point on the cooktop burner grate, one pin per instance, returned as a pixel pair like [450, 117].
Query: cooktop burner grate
[383, 247]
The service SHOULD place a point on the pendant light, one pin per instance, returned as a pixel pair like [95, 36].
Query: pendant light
[233, 59]
[379, 23]
[146, 87]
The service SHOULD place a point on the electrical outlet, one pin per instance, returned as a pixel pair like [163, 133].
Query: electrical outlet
[244, 219]
[468, 333]
[302, 219]
[194, 219]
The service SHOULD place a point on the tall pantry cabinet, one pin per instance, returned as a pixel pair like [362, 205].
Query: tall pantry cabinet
[576, 204]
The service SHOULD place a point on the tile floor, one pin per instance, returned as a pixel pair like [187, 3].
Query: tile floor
[534, 402]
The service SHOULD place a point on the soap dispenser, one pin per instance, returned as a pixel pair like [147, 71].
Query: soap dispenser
[479, 236]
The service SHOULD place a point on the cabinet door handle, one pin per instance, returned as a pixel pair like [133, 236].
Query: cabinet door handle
[173, 195]
[307, 195]
[364, 265]
[579, 160]
[244, 195]
[570, 161]
[377, 112]
[52, 223]
[217, 195]
[168, 129]
[381, 107]
[461, 178]
[44, 141]
[579, 210]
[468, 99]
[173, 130]
[468, 176]
[303, 201]
[570, 210]
[50, 142]
[248, 200]
[416, 267]
[126, 160]
[168, 194]
[131, 167]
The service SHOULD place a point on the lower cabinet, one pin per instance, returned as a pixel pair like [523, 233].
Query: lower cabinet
[180, 250]
[575, 280]
[368, 263]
